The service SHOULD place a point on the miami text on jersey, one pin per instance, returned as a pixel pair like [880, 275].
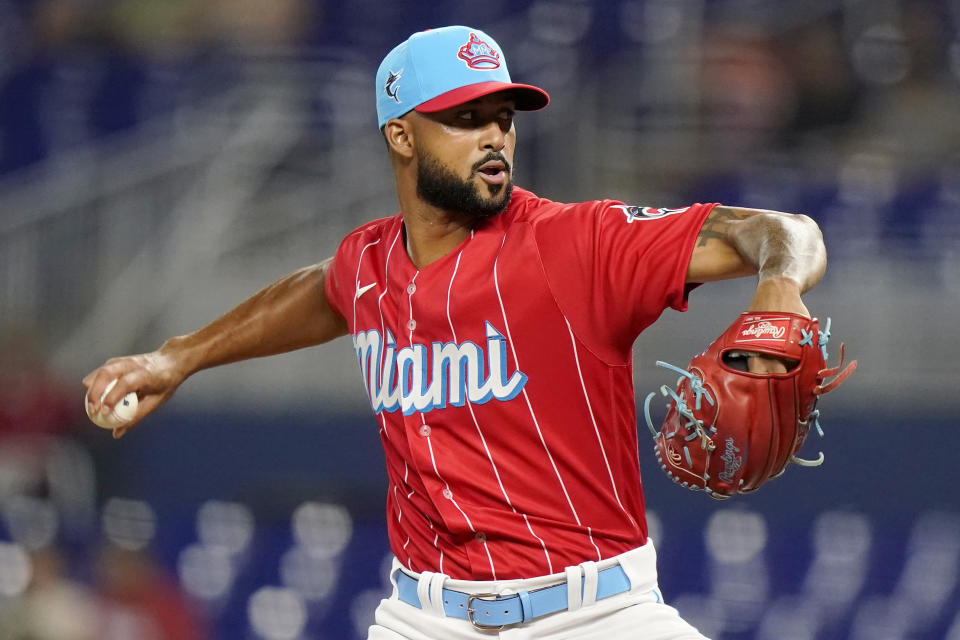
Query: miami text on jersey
[425, 377]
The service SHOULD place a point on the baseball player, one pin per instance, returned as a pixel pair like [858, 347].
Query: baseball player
[493, 331]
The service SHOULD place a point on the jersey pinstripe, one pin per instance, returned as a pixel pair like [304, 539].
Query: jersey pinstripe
[501, 378]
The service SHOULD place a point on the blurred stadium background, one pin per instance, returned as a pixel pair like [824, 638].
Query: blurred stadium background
[160, 161]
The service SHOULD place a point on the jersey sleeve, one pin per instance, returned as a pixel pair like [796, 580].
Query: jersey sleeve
[340, 285]
[334, 284]
[614, 268]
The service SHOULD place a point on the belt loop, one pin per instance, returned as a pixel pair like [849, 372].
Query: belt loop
[574, 588]
[424, 591]
[436, 593]
[590, 580]
[526, 604]
[394, 570]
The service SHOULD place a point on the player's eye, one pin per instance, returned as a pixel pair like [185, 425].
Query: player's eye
[465, 116]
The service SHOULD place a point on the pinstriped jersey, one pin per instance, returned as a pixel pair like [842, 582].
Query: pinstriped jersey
[501, 379]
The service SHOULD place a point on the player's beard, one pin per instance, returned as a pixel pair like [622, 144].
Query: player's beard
[442, 188]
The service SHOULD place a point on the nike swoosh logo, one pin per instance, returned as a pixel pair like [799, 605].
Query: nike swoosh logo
[362, 290]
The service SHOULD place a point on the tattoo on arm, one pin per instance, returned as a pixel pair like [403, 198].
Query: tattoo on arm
[714, 227]
[781, 245]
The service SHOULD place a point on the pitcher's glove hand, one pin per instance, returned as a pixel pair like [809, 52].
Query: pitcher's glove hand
[728, 430]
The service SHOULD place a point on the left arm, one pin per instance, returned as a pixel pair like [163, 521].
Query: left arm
[785, 250]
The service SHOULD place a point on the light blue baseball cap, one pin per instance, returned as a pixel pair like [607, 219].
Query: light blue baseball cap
[437, 69]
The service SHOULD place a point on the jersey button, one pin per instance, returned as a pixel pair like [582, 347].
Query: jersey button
[411, 324]
[425, 430]
[481, 537]
[448, 494]
[411, 288]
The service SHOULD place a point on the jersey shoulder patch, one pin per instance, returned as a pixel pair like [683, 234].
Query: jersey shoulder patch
[639, 214]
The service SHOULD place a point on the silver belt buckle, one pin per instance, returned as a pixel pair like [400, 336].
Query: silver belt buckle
[470, 611]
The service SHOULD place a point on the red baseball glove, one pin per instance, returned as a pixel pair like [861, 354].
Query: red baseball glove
[727, 430]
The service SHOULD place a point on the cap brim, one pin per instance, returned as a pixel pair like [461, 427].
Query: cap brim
[526, 97]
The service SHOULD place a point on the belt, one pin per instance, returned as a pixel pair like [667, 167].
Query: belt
[491, 611]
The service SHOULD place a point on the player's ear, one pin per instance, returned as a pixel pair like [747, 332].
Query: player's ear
[399, 136]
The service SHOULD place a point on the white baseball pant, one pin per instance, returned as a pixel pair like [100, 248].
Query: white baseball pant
[637, 614]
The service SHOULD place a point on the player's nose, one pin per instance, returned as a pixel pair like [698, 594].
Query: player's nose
[492, 136]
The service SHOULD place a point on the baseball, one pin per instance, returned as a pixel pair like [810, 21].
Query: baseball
[123, 412]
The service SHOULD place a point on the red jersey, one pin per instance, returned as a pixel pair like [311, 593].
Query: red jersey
[501, 376]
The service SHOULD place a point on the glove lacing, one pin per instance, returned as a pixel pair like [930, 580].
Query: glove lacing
[814, 415]
[692, 425]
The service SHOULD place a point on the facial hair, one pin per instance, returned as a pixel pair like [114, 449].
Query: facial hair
[439, 186]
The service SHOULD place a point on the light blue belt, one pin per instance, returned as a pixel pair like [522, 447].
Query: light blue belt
[489, 610]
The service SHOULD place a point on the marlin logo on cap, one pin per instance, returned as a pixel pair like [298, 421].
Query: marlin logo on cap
[478, 54]
[390, 87]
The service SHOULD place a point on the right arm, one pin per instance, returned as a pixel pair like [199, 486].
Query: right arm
[292, 313]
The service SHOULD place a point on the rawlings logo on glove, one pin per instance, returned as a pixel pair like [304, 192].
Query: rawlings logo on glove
[727, 430]
[759, 329]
